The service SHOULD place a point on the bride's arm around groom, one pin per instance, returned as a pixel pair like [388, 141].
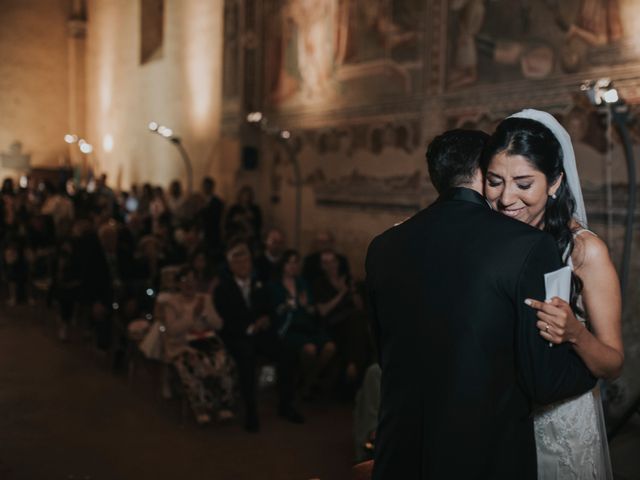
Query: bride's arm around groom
[547, 374]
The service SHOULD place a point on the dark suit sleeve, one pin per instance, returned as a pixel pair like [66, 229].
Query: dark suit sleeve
[262, 305]
[548, 374]
[371, 299]
[232, 322]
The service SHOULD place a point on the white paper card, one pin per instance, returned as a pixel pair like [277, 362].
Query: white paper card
[558, 284]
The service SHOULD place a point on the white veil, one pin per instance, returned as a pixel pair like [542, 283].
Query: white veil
[569, 157]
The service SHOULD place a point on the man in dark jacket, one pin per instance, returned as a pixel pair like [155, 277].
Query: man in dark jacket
[211, 217]
[243, 302]
[462, 360]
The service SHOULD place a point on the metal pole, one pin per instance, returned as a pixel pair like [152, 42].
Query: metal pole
[608, 175]
[187, 162]
[620, 118]
[298, 181]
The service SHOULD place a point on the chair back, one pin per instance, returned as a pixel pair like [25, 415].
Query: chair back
[362, 471]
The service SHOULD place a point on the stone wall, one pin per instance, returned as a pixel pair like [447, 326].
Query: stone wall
[179, 86]
[33, 80]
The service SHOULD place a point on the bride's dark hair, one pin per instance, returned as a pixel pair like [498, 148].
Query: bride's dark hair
[536, 143]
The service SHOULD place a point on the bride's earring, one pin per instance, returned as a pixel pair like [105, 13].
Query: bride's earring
[553, 195]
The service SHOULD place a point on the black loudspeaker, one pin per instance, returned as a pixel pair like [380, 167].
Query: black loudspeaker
[250, 157]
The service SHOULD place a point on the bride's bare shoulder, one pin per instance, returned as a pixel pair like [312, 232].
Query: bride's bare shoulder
[589, 251]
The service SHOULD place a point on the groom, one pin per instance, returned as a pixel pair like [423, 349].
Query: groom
[462, 361]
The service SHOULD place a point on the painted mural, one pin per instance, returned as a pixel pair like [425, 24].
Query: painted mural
[323, 50]
[506, 40]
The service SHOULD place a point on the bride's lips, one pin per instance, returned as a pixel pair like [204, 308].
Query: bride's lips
[512, 212]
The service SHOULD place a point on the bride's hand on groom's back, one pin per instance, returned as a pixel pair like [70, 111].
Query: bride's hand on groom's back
[556, 321]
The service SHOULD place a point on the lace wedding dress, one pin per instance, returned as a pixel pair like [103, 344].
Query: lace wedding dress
[571, 439]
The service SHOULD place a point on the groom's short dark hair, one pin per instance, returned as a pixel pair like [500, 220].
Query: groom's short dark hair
[453, 157]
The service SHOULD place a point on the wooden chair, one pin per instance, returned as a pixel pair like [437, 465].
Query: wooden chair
[362, 471]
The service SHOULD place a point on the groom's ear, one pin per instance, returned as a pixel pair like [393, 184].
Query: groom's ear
[553, 188]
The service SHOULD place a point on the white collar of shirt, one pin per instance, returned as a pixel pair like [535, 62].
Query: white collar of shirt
[271, 258]
[245, 288]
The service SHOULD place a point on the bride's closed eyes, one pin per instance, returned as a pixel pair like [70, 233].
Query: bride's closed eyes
[494, 180]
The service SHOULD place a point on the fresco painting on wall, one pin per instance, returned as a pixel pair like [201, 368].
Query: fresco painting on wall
[359, 190]
[406, 190]
[503, 40]
[316, 50]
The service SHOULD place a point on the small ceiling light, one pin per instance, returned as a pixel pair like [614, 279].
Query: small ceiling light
[611, 96]
[167, 132]
[69, 138]
[254, 117]
[24, 181]
[600, 91]
[153, 126]
[86, 148]
[286, 134]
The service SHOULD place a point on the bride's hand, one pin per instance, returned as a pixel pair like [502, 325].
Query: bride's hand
[556, 321]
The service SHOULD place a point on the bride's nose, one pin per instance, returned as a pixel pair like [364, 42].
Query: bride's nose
[507, 197]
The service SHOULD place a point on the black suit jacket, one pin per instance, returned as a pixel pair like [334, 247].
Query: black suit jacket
[235, 312]
[211, 216]
[462, 360]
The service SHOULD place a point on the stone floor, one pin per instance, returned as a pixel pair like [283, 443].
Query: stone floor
[625, 451]
[64, 415]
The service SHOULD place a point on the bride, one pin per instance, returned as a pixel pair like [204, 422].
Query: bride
[531, 175]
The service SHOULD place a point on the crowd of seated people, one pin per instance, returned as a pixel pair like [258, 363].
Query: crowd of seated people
[238, 297]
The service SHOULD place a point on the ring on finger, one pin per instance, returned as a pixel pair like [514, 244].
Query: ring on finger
[547, 328]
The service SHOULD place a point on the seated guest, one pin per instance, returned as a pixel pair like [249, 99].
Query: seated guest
[115, 274]
[311, 268]
[60, 208]
[66, 283]
[145, 200]
[243, 303]
[206, 279]
[172, 251]
[267, 263]
[149, 261]
[39, 251]
[174, 199]
[96, 291]
[192, 346]
[211, 217]
[296, 323]
[345, 323]
[244, 218]
[15, 267]
[158, 208]
[188, 239]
